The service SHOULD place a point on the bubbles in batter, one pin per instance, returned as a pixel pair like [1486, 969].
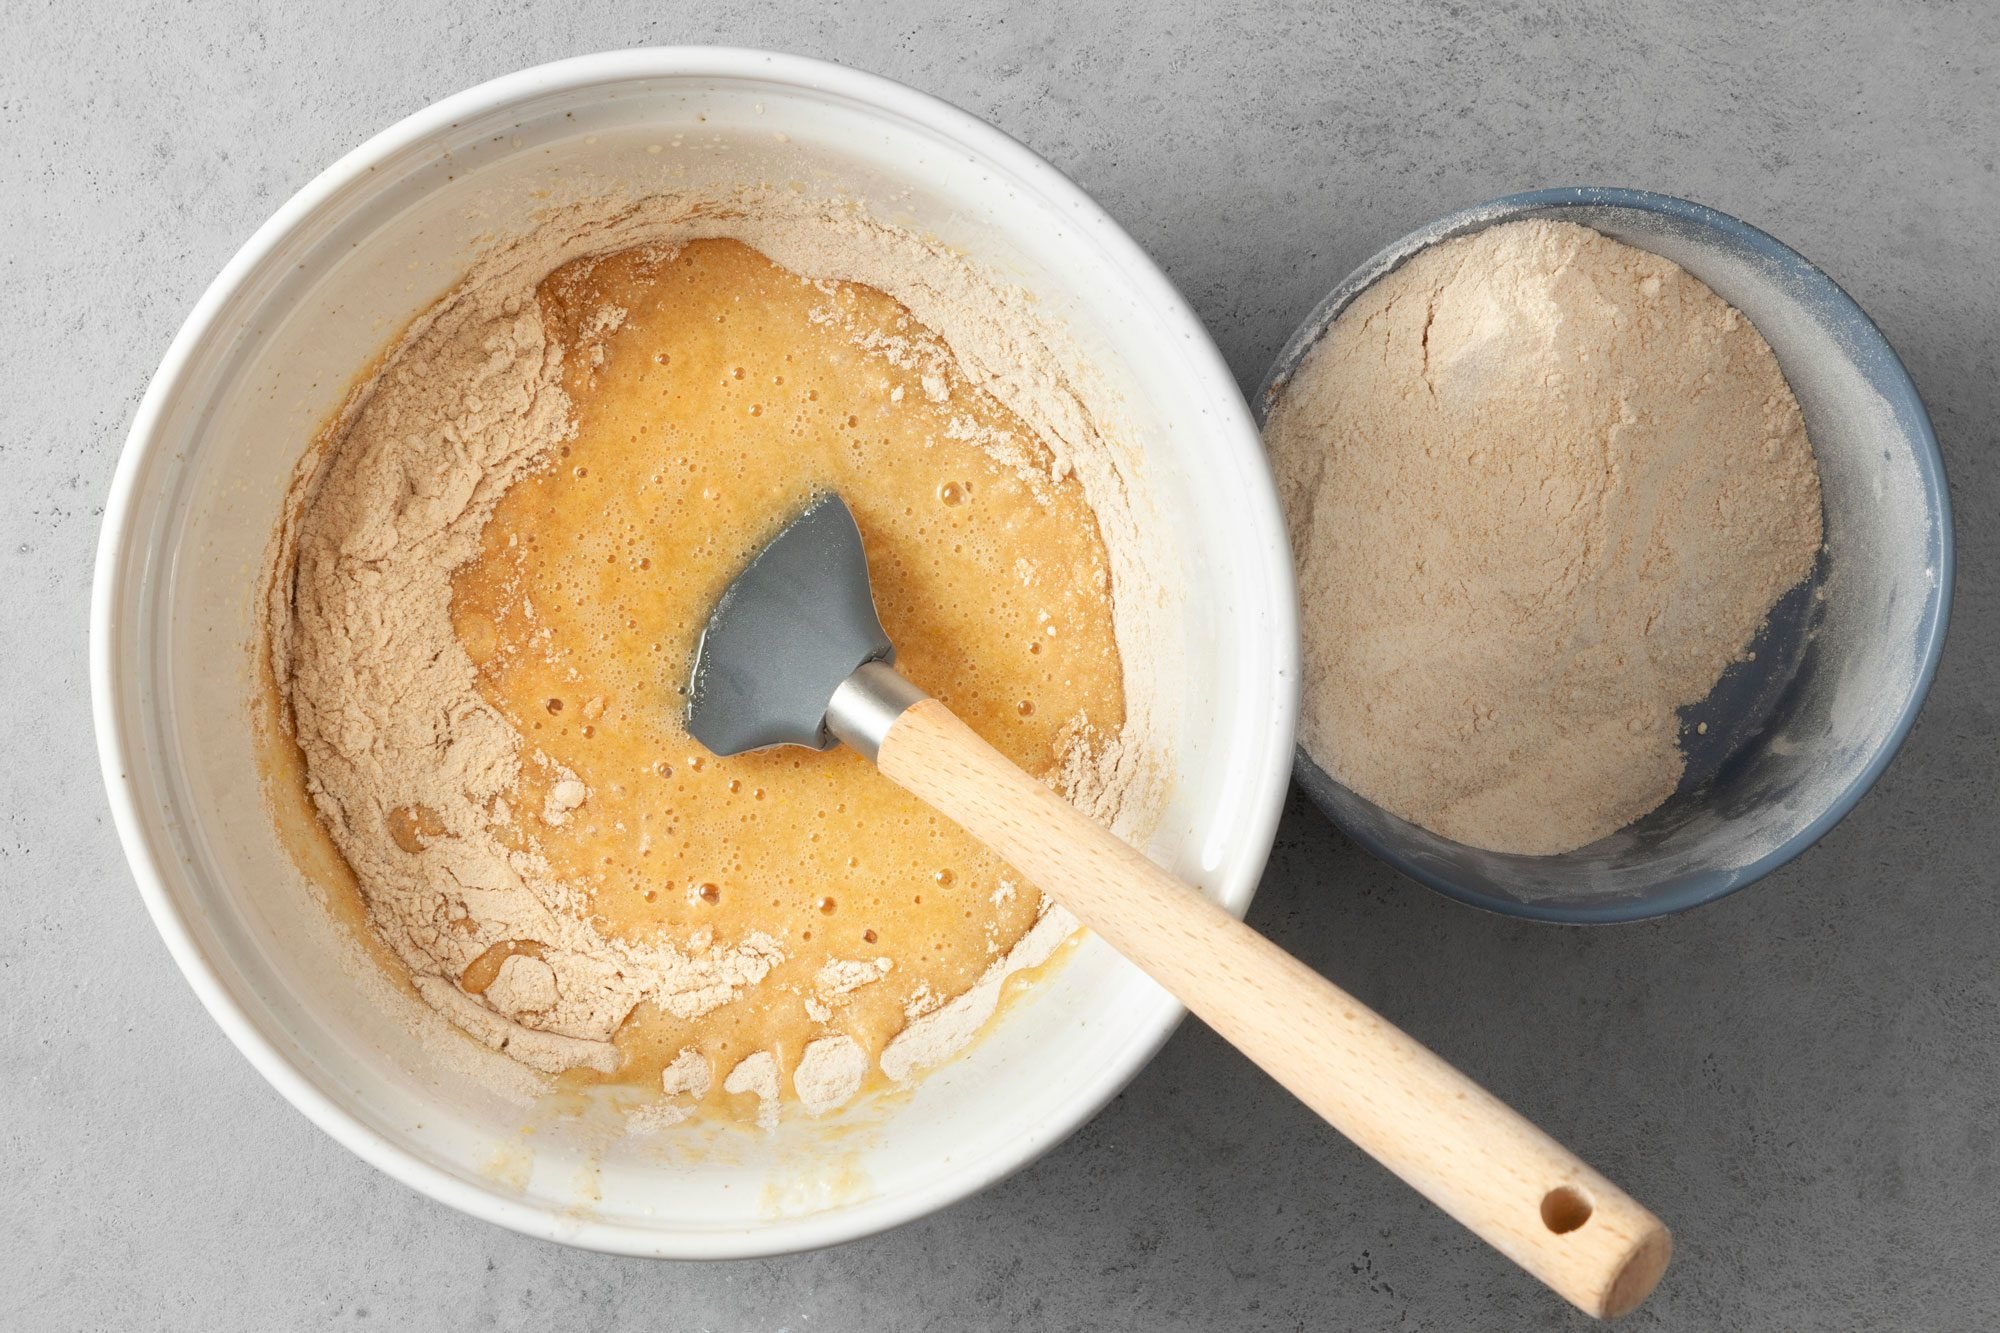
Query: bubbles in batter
[729, 392]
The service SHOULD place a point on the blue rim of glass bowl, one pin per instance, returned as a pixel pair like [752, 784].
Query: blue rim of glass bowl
[1885, 372]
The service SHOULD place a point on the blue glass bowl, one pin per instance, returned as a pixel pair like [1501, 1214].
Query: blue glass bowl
[1794, 737]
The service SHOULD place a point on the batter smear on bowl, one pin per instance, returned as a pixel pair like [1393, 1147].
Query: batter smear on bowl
[486, 596]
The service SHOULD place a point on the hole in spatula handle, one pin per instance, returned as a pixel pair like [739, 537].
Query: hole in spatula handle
[1565, 1208]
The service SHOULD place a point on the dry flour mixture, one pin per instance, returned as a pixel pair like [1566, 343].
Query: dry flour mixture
[1542, 488]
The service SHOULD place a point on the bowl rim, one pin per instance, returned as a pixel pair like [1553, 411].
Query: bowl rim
[1268, 777]
[1899, 388]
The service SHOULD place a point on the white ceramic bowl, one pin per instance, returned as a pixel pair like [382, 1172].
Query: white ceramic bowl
[266, 354]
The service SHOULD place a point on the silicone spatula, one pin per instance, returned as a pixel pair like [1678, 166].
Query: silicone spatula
[795, 654]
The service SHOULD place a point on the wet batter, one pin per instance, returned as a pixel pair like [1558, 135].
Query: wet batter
[714, 393]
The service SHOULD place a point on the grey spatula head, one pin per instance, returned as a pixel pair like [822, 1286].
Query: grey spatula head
[798, 621]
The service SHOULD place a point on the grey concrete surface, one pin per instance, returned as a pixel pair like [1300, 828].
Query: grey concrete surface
[1804, 1079]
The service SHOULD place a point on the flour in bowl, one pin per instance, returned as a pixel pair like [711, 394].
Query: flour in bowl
[1542, 488]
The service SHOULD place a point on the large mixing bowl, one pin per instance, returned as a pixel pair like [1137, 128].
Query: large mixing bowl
[1790, 740]
[267, 353]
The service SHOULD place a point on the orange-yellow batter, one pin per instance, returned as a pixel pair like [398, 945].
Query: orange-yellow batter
[725, 396]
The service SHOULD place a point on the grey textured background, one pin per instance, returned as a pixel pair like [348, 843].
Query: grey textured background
[1804, 1079]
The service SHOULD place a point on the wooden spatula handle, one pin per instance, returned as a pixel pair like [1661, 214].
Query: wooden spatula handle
[1449, 1138]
